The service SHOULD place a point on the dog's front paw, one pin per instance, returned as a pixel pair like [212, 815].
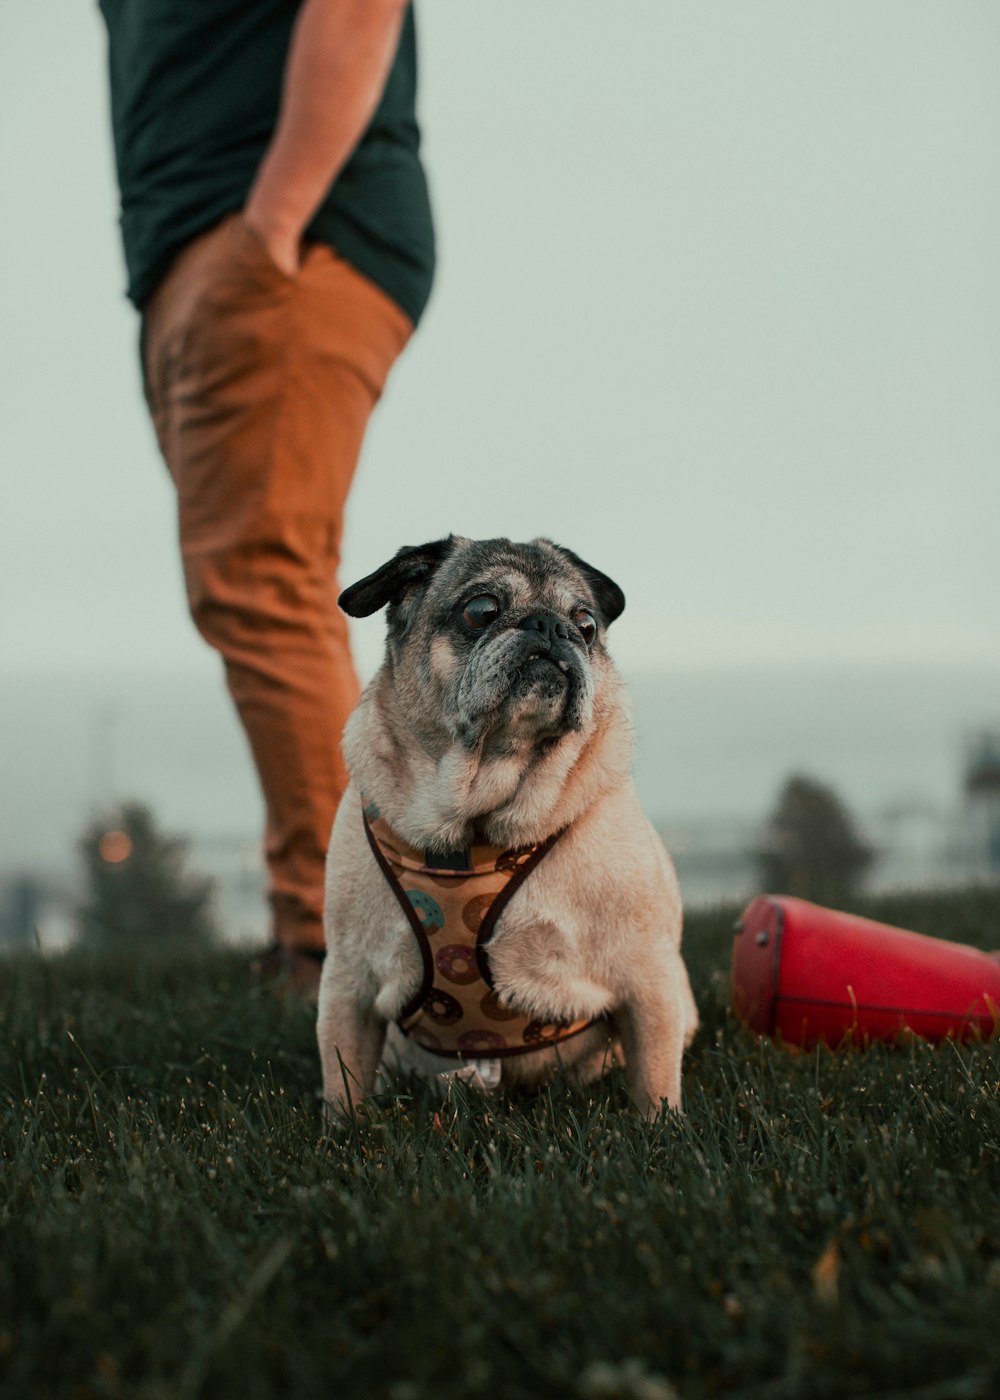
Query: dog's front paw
[652, 1108]
[342, 1117]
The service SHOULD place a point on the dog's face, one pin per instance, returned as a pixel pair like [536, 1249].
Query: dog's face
[492, 643]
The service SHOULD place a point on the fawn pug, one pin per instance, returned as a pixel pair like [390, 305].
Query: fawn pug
[497, 903]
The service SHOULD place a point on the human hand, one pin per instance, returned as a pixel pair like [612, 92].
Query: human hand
[281, 242]
[338, 46]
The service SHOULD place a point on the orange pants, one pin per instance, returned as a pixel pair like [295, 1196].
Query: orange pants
[260, 386]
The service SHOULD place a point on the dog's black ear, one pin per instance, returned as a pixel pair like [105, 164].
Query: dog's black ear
[410, 566]
[607, 595]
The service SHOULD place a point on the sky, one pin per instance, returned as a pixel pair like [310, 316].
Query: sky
[717, 307]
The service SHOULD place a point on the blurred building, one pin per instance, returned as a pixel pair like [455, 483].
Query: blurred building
[982, 796]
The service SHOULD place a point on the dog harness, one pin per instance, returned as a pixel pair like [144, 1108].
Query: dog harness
[452, 901]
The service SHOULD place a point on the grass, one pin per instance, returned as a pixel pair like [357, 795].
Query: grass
[175, 1223]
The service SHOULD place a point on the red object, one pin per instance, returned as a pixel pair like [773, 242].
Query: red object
[809, 974]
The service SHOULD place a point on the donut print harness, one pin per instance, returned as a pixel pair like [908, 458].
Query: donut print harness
[452, 901]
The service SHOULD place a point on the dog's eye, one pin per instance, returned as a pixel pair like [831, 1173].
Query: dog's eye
[586, 624]
[480, 611]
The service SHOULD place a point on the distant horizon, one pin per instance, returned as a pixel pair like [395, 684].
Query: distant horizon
[712, 746]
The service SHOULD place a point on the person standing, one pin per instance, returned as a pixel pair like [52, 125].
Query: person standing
[280, 249]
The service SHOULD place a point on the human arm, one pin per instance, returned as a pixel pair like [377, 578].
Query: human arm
[338, 62]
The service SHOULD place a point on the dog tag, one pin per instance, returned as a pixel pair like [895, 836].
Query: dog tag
[488, 1074]
[480, 1074]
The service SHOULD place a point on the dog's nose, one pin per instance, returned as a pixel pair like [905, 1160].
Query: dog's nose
[547, 624]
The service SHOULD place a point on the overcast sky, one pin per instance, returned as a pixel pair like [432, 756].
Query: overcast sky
[717, 307]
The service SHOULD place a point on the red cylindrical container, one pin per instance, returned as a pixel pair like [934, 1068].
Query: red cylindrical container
[808, 974]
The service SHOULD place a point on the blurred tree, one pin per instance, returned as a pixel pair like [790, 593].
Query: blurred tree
[810, 846]
[138, 893]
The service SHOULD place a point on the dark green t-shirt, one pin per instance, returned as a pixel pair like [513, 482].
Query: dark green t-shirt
[195, 88]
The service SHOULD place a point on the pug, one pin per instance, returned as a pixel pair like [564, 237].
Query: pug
[498, 907]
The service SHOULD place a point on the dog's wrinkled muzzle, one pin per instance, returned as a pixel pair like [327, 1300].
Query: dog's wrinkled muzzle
[538, 667]
[548, 638]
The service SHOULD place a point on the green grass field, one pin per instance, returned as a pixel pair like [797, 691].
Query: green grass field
[175, 1223]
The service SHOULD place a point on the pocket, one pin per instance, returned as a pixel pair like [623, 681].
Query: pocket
[253, 249]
